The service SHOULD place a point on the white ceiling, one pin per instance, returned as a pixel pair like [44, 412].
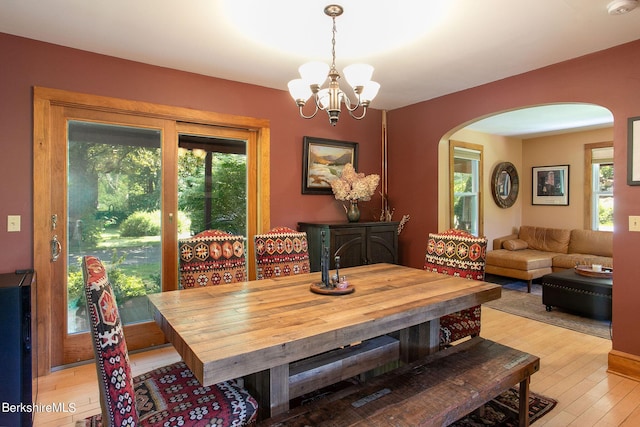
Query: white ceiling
[421, 49]
[545, 120]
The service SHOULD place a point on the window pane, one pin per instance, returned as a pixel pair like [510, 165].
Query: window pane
[114, 190]
[605, 178]
[605, 213]
[465, 212]
[212, 185]
[602, 196]
[465, 205]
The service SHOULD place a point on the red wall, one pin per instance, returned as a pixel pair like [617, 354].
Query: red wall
[609, 78]
[27, 63]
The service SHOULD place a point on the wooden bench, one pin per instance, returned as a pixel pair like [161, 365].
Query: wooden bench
[434, 391]
[313, 373]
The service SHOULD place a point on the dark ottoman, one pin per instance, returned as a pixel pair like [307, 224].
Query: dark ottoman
[589, 296]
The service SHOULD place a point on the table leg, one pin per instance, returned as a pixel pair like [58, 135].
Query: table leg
[271, 390]
[279, 389]
[419, 341]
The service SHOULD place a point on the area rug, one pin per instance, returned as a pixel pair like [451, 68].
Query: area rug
[516, 300]
[503, 410]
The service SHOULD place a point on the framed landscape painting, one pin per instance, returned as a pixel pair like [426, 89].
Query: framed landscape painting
[550, 185]
[323, 161]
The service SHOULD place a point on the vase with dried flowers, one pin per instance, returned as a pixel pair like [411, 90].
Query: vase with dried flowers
[353, 187]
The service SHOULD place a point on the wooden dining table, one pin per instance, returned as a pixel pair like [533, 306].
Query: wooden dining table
[256, 329]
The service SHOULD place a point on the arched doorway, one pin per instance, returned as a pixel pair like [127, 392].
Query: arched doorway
[530, 136]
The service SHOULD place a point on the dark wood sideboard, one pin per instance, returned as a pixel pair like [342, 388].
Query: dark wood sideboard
[356, 243]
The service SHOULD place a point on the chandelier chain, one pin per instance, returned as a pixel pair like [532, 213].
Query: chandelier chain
[333, 43]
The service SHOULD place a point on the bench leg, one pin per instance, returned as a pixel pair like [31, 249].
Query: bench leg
[529, 285]
[524, 403]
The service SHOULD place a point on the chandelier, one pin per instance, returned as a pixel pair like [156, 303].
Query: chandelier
[314, 75]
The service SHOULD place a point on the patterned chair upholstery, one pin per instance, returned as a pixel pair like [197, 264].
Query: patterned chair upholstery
[170, 395]
[281, 252]
[212, 257]
[457, 253]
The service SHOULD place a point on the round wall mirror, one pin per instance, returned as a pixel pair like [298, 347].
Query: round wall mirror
[505, 184]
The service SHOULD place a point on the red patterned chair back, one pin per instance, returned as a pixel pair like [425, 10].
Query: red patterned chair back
[281, 252]
[212, 257]
[168, 395]
[456, 253]
[112, 358]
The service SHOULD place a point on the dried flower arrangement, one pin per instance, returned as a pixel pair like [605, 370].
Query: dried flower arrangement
[354, 186]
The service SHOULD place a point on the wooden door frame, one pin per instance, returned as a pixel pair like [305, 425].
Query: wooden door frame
[44, 99]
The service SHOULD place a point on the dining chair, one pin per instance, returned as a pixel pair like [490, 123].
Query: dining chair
[169, 395]
[212, 257]
[457, 253]
[281, 251]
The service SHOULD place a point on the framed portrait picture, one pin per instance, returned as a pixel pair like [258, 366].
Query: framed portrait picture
[323, 161]
[633, 151]
[550, 185]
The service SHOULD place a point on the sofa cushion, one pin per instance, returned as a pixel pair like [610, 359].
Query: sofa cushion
[591, 242]
[515, 245]
[546, 239]
[563, 261]
[525, 259]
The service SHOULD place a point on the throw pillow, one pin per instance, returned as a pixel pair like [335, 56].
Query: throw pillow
[515, 245]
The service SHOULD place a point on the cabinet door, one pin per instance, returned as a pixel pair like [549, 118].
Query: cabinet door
[383, 244]
[350, 245]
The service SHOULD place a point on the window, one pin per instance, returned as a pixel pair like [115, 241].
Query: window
[465, 165]
[600, 170]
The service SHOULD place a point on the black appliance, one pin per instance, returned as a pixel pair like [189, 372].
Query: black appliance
[16, 398]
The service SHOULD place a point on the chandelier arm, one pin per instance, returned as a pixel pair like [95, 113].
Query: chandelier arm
[364, 112]
[312, 115]
[347, 104]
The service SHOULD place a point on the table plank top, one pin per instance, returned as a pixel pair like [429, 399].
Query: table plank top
[228, 331]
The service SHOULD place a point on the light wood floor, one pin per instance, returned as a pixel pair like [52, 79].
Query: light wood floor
[573, 371]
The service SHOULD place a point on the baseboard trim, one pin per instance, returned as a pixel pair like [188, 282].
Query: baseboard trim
[624, 364]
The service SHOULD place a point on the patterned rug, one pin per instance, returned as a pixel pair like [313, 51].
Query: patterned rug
[516, 300]
[503, 411]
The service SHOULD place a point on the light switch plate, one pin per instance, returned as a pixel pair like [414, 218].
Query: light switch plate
[13, 223]
[634, 223]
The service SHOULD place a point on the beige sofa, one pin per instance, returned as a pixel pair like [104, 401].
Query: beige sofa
[536, 251]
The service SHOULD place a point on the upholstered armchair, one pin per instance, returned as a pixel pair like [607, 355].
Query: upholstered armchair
[281, 252]
[212, 257]
[170, 395]
[457, 253]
